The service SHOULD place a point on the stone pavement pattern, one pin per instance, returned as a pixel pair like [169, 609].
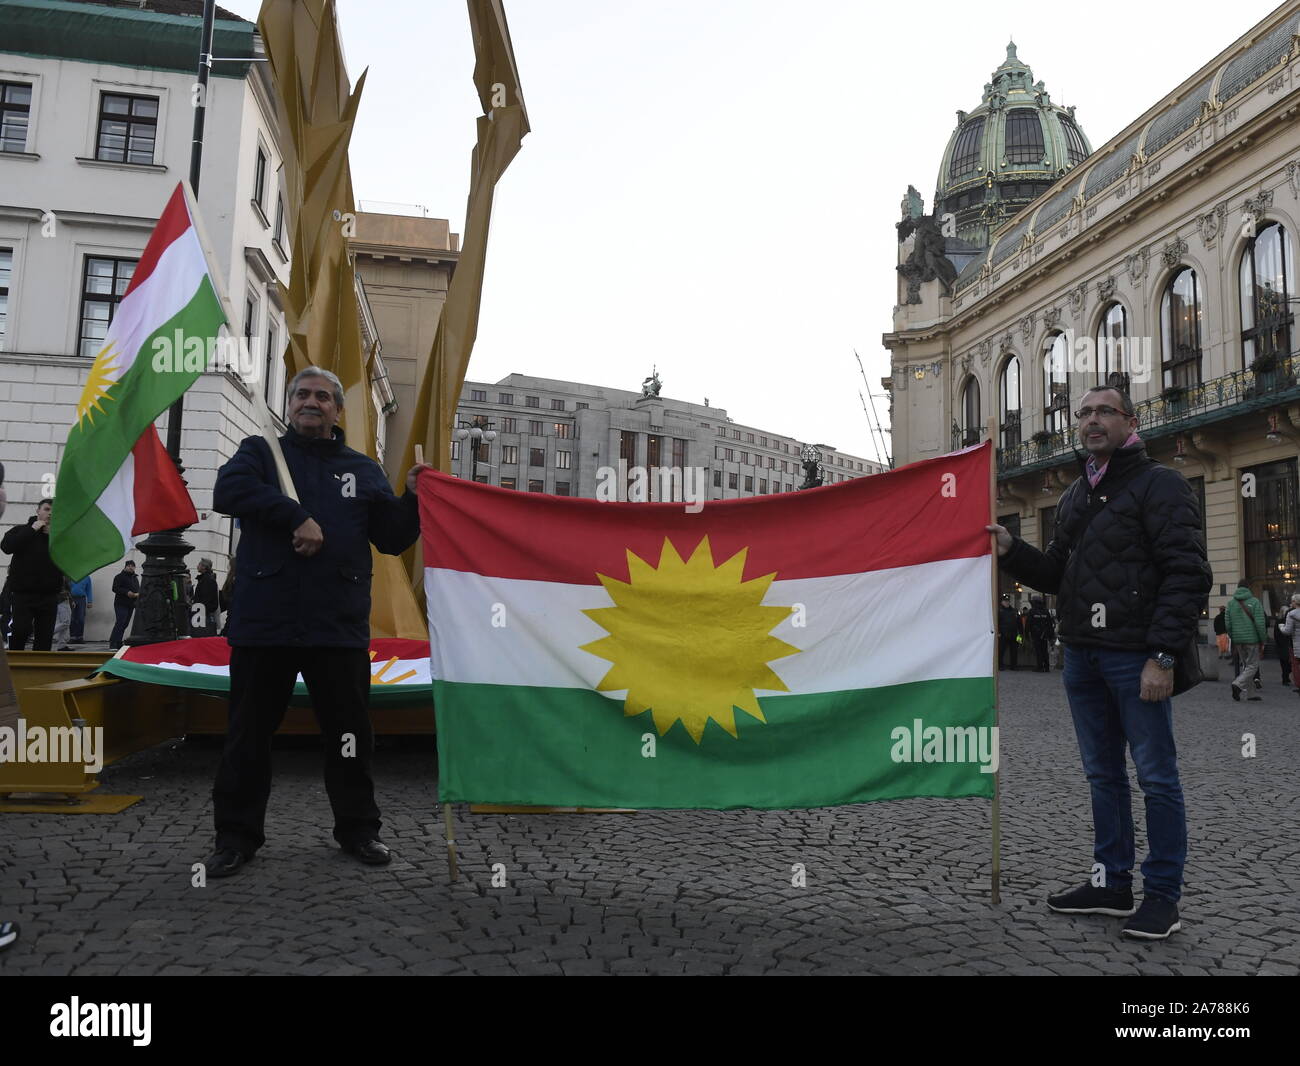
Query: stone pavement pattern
[899, 887]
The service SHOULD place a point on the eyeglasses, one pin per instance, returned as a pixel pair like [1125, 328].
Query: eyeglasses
[1105, 410]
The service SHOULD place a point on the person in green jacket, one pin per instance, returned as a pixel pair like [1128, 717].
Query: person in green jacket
[1248, 628]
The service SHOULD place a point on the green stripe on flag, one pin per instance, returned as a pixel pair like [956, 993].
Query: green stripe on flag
[576, 748]
[87, 543]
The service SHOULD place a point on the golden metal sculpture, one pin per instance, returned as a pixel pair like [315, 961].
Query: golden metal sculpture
[316, 110]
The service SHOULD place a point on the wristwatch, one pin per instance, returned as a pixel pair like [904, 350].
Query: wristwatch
[1163, 660]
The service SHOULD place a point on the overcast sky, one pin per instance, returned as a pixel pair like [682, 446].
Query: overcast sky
[712, 185]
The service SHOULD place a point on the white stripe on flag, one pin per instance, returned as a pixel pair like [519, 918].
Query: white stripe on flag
[117, 501]
[883, 627]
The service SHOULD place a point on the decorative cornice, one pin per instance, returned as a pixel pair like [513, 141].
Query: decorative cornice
[1174, 252]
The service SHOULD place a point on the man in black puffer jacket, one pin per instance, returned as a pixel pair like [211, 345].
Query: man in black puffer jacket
[1127, 565]
[34, 580]
[302, 603]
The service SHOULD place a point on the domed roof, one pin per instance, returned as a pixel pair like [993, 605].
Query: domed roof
[1006, 152]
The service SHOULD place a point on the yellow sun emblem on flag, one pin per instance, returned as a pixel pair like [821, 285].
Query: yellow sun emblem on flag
[689, 640]
[103, 375]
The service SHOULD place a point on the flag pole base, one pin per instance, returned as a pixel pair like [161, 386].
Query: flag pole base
[161, 612]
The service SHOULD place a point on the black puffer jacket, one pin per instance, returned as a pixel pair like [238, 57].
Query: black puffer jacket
[31, 571]
[1132, 545]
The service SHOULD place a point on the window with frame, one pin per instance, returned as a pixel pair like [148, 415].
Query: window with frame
[104, 282]
[749, 484]
[506, 398]
[557, 405]
[733, 481]
[1024, 136]
[15, 115]
[970, 412]
[562, 460]
[536, 456]
[250, 319]
[735, 434]
[653, 446]
[1266, 274]
[966, 150]
[6, 272]
[455, 449]
[532, 401]
[279, 220]
[535, 485]
[728, 455]
[762, 486]
[1271, 527]
[1009, 402]
[744, 457]
[562, 430]
[1076, 150]
[484, 452]
[717, 479]
[679, 453]
[581, 406]
[562, 488]
[1180, 330]
[478, 395]
[508, 483]
[536, 429]
[722, 431]
[1056, 384]
[259, 180]
[1112, 347]
[128, 128]
[271, 361]
[510, 454]
[509, 425]
[627, 447]
[749, 438]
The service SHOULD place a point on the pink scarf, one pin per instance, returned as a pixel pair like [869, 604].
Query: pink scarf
[1096, 472]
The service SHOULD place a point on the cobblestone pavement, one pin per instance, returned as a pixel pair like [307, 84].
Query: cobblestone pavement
[892, 888]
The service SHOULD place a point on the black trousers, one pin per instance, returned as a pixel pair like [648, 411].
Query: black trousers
[1040, 653]
[34, 614]
[1007, 649]
[261, 682]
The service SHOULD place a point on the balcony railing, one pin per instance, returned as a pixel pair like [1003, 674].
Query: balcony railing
[1176, 410]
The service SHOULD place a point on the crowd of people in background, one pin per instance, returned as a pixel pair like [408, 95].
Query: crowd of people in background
[42, 609]
[1033, 628]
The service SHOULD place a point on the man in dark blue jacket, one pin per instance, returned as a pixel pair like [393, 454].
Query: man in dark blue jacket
[302, 604]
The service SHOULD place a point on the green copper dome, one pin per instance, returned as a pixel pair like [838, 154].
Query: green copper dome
[1006, 152]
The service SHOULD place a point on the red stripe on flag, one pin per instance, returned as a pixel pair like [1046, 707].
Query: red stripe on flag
[175, 220]
[934, 509]
[214, 651]
[161, 499]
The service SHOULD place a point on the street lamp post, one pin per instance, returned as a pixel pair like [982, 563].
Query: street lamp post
[163, 613]
[476, 433]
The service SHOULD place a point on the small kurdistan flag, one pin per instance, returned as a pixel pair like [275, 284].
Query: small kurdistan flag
[116, 481]
[795, 650]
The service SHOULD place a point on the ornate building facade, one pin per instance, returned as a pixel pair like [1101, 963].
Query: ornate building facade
[1165, 261]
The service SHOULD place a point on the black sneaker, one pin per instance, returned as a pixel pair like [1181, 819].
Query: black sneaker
[1236, 692]
[225, 862]
[1155, 919]
[1088, 899]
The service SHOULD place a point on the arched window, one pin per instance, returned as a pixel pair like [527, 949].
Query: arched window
[1267, 274]
[966, 152]
[1056, 384]
[970, 413]
[1180, 330]
[1009, 399]
[1024, 136]
[1112, 347]
[1075, 149]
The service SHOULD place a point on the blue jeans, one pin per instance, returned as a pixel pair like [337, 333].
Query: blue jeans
[1103, 686]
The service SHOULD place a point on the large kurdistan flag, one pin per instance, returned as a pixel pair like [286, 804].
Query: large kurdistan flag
[823, 647]
[115, 480]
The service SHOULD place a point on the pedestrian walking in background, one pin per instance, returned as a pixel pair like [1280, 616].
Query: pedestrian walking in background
[1291, 627]
[1042, 631]
[83, 598]
[126, 591]
[1249, 630]
[1008, 630]
[205, 593]
[36, 581]
[63, 618]
[1282, 644]
[1221, 632]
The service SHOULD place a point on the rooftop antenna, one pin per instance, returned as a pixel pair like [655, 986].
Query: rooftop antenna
[873, 419]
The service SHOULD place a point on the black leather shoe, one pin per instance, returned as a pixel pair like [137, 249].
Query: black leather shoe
[371, 852]
[226, 861]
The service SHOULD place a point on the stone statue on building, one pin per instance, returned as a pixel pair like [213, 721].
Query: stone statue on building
[651, 385]
[928, 260]
[813, 471]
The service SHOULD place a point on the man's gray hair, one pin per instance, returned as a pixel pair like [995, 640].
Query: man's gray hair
[1295, 599]
[319, 372]
[205, 563]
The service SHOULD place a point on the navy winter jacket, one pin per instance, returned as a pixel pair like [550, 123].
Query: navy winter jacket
[282, 598]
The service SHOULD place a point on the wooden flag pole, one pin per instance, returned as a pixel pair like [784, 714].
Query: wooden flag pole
[448, 824]
[991, 435]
